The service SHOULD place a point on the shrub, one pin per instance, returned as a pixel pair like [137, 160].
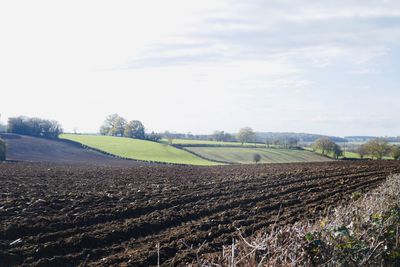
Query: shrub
[362, 151]
[256, 158]
[2, 150]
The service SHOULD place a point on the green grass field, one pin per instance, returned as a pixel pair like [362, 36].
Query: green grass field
[245, 155]
[138, 149]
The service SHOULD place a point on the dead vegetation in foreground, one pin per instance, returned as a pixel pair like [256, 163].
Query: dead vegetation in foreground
[363, 233]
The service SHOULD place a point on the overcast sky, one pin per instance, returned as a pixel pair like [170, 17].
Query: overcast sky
[330, 67]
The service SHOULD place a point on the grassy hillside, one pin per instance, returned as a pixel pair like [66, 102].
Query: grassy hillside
[245, 155]
[137, 149]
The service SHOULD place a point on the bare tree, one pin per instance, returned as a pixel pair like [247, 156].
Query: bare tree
[169, 136]
[245, 135]
[324, 144]
[362, 151]
[327, 146]
[377, 148]
[293, 142]
[170, 140]
[268, 142]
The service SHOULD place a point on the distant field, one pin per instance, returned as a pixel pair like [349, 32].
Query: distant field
[357, 143]
[206, 142]
[138, 149]
[245, 155]
[347, 154]
[354, 155]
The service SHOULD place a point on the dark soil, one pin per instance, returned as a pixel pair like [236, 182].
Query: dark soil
[53, 215]
[34, 149]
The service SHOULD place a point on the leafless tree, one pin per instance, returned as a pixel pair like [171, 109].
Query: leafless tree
[245, 135]
[377, 148]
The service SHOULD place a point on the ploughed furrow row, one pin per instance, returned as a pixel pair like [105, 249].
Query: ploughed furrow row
[220, 231]
[288, 198]
[130, 211]
[137, 227]
[119, 215]
[290, 203]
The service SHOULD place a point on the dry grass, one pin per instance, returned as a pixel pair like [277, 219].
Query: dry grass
[363, 233]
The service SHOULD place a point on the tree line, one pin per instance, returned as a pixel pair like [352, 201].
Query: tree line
[376, 148]
[327, 147]
[248, 135]
[244, 135]
[115, 125]
[34, 127]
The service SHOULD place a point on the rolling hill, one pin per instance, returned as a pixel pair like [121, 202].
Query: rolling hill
[35, 149]
[138, 149]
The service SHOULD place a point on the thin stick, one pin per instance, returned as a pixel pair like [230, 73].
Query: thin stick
[158, 255]
[198, 252]
[233, 252]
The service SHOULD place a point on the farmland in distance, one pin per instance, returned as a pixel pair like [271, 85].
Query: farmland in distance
[193, 152]
[245, 155]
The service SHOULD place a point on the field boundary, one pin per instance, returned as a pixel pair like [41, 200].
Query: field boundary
[202, 157]
[214, 145]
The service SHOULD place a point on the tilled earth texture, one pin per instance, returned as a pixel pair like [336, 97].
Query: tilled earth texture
[53, 215]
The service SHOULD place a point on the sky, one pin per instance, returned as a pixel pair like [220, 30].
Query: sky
[328, 67]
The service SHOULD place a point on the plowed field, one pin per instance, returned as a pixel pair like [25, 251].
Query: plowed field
[53, 215]
[34, 149]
